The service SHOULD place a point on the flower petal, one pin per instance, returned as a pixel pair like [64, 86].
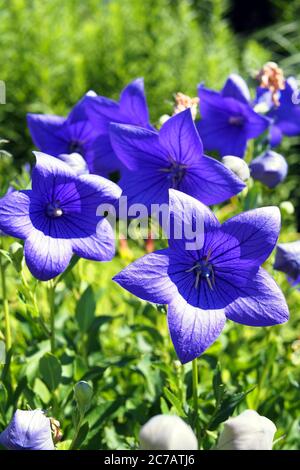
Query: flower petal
[48, 133]
[28, 430]
[133, 103]
[190, 221]
[136, 147]
[148, 278]
[236, 87]
[211, 182]
[98, 247]
[254, 233]
[193, 330]
[46, 257]
[179, 137]
[260, 303]
[14, 214]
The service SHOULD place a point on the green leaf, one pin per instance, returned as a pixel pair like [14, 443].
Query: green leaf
[85, 310]
[174, 401]
[64, 445]
[50, 370]
[218, 385]
[3, 399]
[226, 408]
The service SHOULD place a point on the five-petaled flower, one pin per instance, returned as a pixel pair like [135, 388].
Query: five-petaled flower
[285, 117]
[28, 430]
[86, 129]
[228, 120]
[222, 280]
[170, 158]
[58, 217]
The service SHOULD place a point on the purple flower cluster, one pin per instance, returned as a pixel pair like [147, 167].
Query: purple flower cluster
[221, 279]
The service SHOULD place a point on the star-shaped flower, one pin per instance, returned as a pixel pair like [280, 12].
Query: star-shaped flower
[85, 130]
[287, 260]
[170, 158]
[227, 119]
[221, 280]
[58, 217]
[285, 118]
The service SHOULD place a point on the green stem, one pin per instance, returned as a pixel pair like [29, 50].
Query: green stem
[72, 445]
[52, 315]
[195, 397]
[5, 307]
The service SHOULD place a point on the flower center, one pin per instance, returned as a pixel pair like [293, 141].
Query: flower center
[236, 120]
[54, 210]
[203, 269]
[76, 147]
[175, 173]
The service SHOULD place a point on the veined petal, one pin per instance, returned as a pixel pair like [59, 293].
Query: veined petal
[260, 302]
[97, 247]
[136, 147]
[179, 137]
[15, 214]
[236, 87]
[211, 182]
[254, 233]
[48, 133]
[193, 330]
[45, 256]
[190, 221]
[133, 103]
[148, 278]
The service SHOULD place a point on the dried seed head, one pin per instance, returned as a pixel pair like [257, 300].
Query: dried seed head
[183, 102]
[271, 77]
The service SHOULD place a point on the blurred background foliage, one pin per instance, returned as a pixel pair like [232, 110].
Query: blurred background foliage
[52, 52]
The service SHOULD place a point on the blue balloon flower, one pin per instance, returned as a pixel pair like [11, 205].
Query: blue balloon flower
[170, 158]
[270, 168]
[85, 129]
[287, 260]
[28, 430]
[58, 217]
[228, 120]
[220, 280]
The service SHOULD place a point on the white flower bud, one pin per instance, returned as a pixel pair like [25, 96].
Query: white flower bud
[167, 432]
[238, 166]
[247, 431]
[164, 118]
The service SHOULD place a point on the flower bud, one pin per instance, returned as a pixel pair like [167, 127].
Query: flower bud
[237, 165]
[164, 118]
[270, 168]
[83, 393]
[287, 259]
[167, 432]
[247, 431]
[28, 430]
[76, 162]
[287, 207]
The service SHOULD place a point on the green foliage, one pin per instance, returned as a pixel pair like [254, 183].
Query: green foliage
[53, 52]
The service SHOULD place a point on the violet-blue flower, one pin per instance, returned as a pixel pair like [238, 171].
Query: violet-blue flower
[57, 217]
[287, 260]
[85, 129]
[170, 158]
[270, 168]
[222, 280]
[227, 118]
[285, 118]
[28, 430]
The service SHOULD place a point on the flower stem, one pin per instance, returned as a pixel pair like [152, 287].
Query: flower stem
[73, 443]
[5, 307]
[195, 397]
[51, 296]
